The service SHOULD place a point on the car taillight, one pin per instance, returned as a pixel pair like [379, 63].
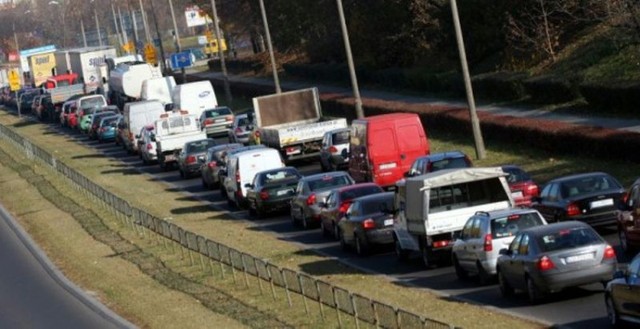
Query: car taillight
[609, 253]
[264, 195]
[208, 121]
[229, 118]
[344, 206]
[440, 244]
[130, 136]
[368, 224]
[211, 164]
[191, 159]
[488, 242]
[573, 210]
[149, 146]
[102, 129]
[531, 190]
[333, 149]
[238, 130]
[625, 197]
[311, 199]
[545, 263]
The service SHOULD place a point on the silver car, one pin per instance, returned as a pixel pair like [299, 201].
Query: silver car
[216, 121]
[335, 149]
[546, 259]
[476, 249]
[241, 129]
[311, 192]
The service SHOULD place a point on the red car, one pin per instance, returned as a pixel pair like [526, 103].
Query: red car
[338, 201]
[523, 188]
[629, 219]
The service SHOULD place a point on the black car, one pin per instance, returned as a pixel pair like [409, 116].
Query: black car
[192, 155]
[622, 295]
[592, 198]
[272, 190]
[368, 222]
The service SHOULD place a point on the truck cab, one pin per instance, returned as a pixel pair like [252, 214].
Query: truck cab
[60, 80]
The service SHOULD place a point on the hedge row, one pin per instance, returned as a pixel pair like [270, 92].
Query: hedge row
[552, 136]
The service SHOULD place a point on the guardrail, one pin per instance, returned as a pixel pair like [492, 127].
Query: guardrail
[361, 309]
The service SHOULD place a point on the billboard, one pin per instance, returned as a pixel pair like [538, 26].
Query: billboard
[196, 17]
[41, 67]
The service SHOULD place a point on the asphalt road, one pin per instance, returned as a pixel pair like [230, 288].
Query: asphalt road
[581, 307]
[33, 294]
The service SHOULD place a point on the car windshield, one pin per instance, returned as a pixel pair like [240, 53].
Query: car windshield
[353, 193]
[516, 175]
[341, 137]
[200, 146]
[510, 225]
[585, 185]
[568, 239]
[328, 182]
[107, 121]
[274, 176]
[217, 112]
[376, 205]
[88, 103]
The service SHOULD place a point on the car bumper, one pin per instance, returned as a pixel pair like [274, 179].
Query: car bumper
[274, 205]
[554, 282]
[380, 236]
[601, 219]
[217, 130]
[192, 168]
[106, 137]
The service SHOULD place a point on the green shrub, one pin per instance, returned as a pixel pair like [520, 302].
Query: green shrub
[550, 89]
[501, 85]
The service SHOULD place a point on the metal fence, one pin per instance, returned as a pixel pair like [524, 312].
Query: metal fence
[329, 300]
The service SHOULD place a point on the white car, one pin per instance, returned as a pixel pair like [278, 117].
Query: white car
[242, 167]
[147, 145]
[477, 247]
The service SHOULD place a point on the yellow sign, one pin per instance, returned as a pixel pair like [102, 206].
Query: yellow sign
[14, 80]
[150, 54]
[129, 46]
[41, 67]
[212, 47]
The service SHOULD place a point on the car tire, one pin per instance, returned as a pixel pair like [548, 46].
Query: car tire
[427, 257]
[401, 254]
[294, 221]
[362, 247]
[343, 243]
[336, 231]
[533, 292]
[505, 288]
[323, 230]
[460, 272]
[624, 241]
[252, 212]
[612, 313]
[305, 223]
[483, 277]
[260, 213]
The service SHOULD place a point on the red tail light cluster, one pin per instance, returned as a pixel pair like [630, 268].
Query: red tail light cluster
[609, 253]
[368, 224]
[311, 200]
[264, 194]
[212, 164]
[545, 264]
[532, 190]
[208, 121]
[440, 244]
[488, 242]
[573, 209]
[333, 150]
[191, 159]
[149, 146]
[344, 206]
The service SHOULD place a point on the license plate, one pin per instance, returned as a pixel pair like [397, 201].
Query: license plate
[169, 157]
[517, 195]
[220, 120]
[387, 165]
[601, 203]
[200, 157]
[579, 258]
[388, 222]
[282, 192]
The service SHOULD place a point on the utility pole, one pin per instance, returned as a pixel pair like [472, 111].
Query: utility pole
[274, 67]
[227, 89]
[84, 36]
[177, 39]
[352, 70]
[95, 14]
[125, 38]
[155, 23]
[115, 23]
[475, 123]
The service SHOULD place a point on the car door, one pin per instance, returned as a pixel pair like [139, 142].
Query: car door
[324, 152]
[508, 263]
[462, 245]
[634, 203]
[327, 208]
[626, 295]
[548, 202]
[298, 199]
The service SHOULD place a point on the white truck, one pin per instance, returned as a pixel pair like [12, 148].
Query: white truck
[431, 208]
[194, 97]
[292, 123]
[125, 81]
[171, 132]
[86, 62]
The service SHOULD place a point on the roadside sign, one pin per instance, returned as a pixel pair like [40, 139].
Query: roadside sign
[181, 60]
[128, 47]
[14, 80]
[150, 54]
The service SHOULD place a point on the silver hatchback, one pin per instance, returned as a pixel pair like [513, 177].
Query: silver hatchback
[335, 149]
[476, 249]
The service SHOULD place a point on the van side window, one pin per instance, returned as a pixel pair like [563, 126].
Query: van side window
[466, 195]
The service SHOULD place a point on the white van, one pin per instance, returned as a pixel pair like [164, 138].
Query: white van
[243, 166]
[194, 97]
[431, 208]
[137, 115]
[158, 89]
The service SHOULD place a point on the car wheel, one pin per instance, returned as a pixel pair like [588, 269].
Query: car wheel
[223, 192]
[401, 254]
[427, 257]
[624, 242]
[305, 222]
[336, 230]
[260, 213]
[483, 276]
[505, 288]
[362, 248]
[533, 292]
[460, 272]
[323, 230]
[294, 221]
[612, 314]
[252, 212]
[343, 243]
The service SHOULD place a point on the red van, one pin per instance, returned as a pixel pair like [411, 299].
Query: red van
[383, 147]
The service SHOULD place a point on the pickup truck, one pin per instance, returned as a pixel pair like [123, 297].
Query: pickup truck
[292, 123]
[172, 131]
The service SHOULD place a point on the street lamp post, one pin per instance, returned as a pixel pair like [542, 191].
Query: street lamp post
[177, 39]
[155, 22]
[352, 71]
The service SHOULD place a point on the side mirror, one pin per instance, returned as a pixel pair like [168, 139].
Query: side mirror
[137, 136]
[248, 185]
[406, 174]
[505, 252]
[536, 199]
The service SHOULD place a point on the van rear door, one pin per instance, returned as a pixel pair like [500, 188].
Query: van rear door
[412, 143]
[384, 155]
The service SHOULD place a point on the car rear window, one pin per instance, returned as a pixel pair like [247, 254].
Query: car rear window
[328, 182]
[508, 226]
[353, 193]
[200, 146]
[274, 176]
[568, 238]
[585, 185]
[217, 112]
[449, 163]
[376, 205]
[341, 137]
[516, 175]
